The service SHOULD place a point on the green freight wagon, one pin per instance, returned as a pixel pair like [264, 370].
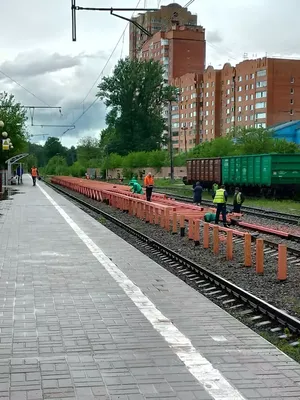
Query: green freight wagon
[263, 173]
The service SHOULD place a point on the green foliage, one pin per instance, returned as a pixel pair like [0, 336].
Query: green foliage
[77, 169]
[135, 95]
[88, 149]
[53, 147]
[57, 165]
[14, 118]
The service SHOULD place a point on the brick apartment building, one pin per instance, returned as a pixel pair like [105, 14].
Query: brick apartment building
[155, 21]
[181, 50]
[254, 93]
[186, 113]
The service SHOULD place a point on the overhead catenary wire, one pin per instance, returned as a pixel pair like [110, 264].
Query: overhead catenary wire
[99, 76]
[24, 88]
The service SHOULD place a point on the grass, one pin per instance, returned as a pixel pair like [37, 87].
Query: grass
[283, 345]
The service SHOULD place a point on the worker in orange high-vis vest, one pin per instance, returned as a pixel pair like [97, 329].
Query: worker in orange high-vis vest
[34, 174]
[149, 183]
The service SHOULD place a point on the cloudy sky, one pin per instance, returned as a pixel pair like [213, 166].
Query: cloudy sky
[38, 54]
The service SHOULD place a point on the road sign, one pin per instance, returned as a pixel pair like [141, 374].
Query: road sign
[5, 144]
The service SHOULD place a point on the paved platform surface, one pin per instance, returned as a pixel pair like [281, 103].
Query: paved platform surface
[84, 315]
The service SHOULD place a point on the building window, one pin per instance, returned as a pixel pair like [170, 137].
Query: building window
[212, 103]
[252, 76]
[240, 98]
[262, 104]
[246, 118]
[252, 86]
[228, 82]
[292, 101]
[228, 120]
[259, 95]
[227, 130]
[207, 84]
[239, 118]
[261, 84]
[252, 96]
[247, 77]
[251, 118]
[260, 115]
[262, 72]
[175, 116]
[206, 112]
[292, 91]
[246, 108]
[240, 88]
[232, 98]
[292, 79]
[247, 97]
[247, 87]
[206, 122]
[240, 79]
[291, 112]
[262, 125]
[251, 107]
[227, 101]
[232, 118]
[228, 91]
[239, 109]
[228, 111]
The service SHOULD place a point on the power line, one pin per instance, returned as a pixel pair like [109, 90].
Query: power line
[24, 88]
[98, 77]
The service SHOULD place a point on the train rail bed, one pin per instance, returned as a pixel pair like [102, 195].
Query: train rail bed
[88, 316]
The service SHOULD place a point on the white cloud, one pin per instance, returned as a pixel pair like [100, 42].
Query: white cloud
[37, 50]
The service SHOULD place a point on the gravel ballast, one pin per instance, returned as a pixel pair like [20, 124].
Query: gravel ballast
[283, 295]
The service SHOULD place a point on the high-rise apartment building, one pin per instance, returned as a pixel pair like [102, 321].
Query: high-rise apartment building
[155, 21]
[254, 93]
[185, 117]
[181, 50]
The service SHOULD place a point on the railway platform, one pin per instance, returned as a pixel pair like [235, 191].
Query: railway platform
[84, 315]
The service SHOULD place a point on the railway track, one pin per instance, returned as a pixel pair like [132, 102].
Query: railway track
[268, 214]
[254, 311]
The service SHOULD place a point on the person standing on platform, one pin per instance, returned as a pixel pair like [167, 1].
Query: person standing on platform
[198, 189]
[20, 174]
[34, 174]
[238, 200]
[220, 199]
[149, 183]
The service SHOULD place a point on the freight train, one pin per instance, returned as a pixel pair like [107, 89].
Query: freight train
[268, 175]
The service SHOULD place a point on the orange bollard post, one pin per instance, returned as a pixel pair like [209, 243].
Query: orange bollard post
[162, 219]
[182, 225]
[191, 229]
[229, 245]
[174, 225]
[216, 241]
[206, 235]
[156, 219]
[167, 219]
[282, 263]
[259, 256]
[247, 250]
[197, 232]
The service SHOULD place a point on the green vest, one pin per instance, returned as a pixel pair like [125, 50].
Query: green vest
[220, 197]
[239, 198]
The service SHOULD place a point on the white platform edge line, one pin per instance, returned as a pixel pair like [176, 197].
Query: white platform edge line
[211, 379]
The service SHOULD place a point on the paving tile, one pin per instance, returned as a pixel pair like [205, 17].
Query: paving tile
[68, 331]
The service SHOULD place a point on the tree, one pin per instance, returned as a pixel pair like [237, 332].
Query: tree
[71, 155]
[88, 149]
[38, 151]
[14, 118]
[135, 95]
[252, 140]
[53, 147]
[57, 165]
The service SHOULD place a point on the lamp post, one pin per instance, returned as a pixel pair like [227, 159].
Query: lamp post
[171, 141]
[5, 145]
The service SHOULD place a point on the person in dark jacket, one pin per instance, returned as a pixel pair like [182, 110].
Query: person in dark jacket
[198, 189]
